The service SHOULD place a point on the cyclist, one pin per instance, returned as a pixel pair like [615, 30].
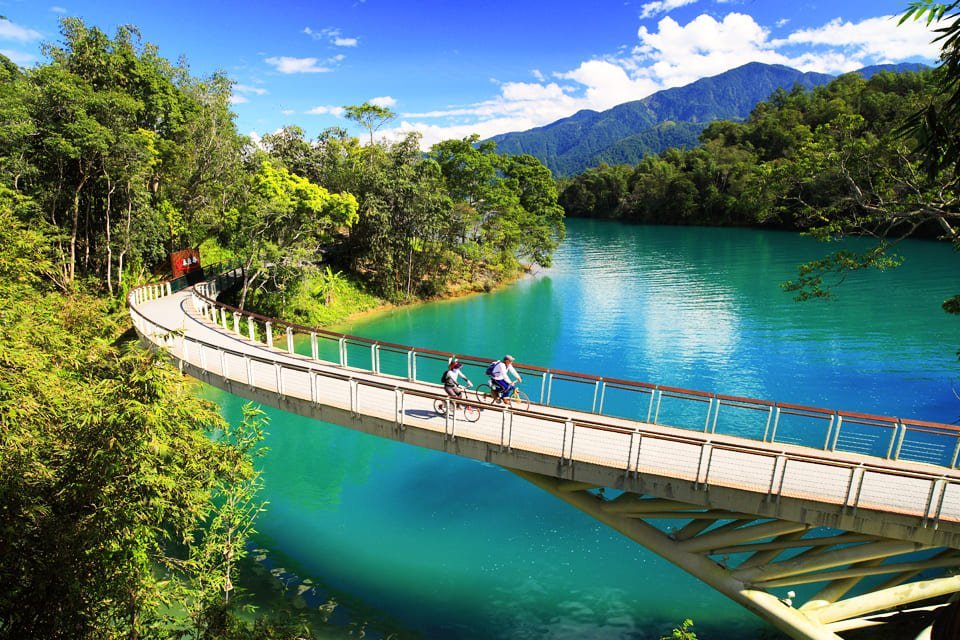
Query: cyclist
[451, 379]
[500, 377]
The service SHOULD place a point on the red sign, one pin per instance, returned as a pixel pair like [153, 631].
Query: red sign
[184, 262]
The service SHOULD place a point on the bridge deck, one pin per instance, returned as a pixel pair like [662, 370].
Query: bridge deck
[852, 485]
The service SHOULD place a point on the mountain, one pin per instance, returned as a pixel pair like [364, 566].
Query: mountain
[669, 118]
[903, 67]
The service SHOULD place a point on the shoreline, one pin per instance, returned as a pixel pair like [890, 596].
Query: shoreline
[390, 307]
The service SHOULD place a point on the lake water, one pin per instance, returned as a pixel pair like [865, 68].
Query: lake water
[421, 544]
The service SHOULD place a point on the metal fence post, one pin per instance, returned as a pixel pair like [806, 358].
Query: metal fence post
[776, 423]
[903, 435]
[836, 431]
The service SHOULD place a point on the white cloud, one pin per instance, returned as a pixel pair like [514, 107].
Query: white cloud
[432, 134]
[235, 99]
[56, 9]
[331, 35]
[607, 84]
[19, 58]
[286, 64]
[325, 110]
[383, 101]
[245, 88]
[676, 55]
[658, 7]
[670, 55]
[287, 112]
[12, 31]
[871, 41]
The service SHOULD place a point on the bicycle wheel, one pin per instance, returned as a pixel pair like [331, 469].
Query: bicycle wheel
[471, 413]
[520, 400]
[440, 406]
[485, 394]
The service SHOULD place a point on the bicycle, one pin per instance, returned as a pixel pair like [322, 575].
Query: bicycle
[471, 413]
[487, 394]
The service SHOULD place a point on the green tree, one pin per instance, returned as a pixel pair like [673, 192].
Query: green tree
[369, 116]
[597, 192]
[281, 226]
[108, 462]
[403, 218]
[683, 632]
[539, 218]
[507, 205]
[937, 125]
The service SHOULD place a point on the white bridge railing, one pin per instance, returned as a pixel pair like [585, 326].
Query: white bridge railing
[884, 437]
[632, 448]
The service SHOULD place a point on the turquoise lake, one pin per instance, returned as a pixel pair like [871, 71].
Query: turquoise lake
[420, 544]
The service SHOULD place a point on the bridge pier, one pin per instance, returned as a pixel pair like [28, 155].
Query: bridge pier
[709, 534]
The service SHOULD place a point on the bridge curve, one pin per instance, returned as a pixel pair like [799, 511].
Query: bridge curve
[764, 497]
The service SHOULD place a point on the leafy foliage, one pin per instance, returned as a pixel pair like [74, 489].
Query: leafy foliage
[280, 225]
[121, 493]
[936, 124]
[124, 154]
[683, 632]
[370, 116]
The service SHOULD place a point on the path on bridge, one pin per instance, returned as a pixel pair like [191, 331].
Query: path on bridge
[771, 471]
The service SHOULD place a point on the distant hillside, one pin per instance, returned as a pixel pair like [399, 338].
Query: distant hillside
[669, 118]
[903, 67]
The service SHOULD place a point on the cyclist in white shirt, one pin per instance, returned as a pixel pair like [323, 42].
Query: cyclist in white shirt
[500, 377]
[451, 380]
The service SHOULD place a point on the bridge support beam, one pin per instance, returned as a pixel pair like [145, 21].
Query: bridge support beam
[702, 548]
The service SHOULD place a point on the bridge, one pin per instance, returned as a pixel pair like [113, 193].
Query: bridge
[858, 513]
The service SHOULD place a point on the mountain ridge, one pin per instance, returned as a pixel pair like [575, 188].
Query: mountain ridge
[672, 117]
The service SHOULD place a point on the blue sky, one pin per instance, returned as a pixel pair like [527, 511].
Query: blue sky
[451, 68]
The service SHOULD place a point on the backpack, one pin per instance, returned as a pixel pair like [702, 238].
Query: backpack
[491, 366]
[443, 378]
